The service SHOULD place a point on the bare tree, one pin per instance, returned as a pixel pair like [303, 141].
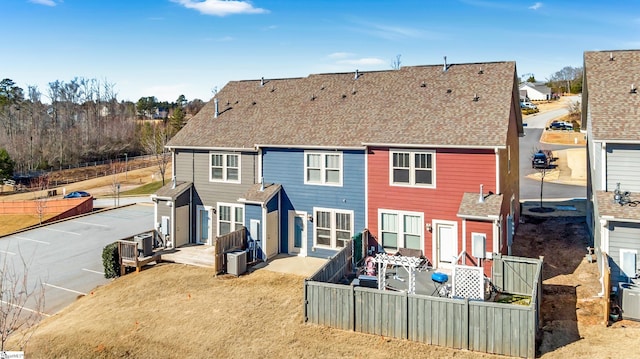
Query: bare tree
[153, 141]
[42, 185]
[116, 168]
[395, 64]
[16, 319]
[542, 161]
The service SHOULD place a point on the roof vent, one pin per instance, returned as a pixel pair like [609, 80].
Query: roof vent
[313, 97]
[353, 91]
[476, 98]
[254, 103]
[445, 67]
[481, 71]
[215, 103]
[322, 88]
[423, 84]
[261, 81]
[611, 58]
[633, 89]
[273, 88]
[481, 197]
[356, 75]
[449, 91]
[344, 96]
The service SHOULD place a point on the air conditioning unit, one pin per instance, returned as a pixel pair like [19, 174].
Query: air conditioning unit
[236, 262]
[630, 301]
[145, 244]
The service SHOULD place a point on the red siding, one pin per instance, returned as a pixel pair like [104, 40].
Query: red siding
[481, 227]
[457, 171]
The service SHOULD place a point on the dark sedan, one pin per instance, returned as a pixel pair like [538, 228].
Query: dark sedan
[77, 194]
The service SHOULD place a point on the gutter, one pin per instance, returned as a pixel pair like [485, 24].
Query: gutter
[231, 149]
[403, 145]
[312, 147]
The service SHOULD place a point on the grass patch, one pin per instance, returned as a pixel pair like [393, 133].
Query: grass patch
[513, 299]
[10, 223]
[149, 188]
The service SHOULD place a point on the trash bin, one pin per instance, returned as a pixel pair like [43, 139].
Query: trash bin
[236, 262]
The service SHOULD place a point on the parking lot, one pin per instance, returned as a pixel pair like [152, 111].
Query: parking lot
[66, 257]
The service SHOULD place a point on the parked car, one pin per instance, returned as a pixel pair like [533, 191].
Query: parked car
[526, 104]
[77, 194]
[542, 159]
[561, 125]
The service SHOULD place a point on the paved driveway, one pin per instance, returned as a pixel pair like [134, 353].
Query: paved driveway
[67, 256]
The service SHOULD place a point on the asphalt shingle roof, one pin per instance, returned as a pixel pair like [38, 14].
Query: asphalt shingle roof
[171, 191]
[470, 205]
[608, 207]
[257, 193]
[421, 105]
[614, 110]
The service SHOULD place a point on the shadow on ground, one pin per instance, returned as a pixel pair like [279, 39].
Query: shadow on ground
[561, 237]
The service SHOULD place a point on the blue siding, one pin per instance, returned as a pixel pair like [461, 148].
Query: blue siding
[272, 205]
[252, 211]
[286, 167]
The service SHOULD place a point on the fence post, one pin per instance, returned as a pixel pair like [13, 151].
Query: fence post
[465, 324]
[306, 318]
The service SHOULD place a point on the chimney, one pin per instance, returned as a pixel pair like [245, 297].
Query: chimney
[481, 198]
[444, 69]
[357, 75]
[215, 102]
[261, 81]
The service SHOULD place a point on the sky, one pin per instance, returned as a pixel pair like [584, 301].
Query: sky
[168, 48]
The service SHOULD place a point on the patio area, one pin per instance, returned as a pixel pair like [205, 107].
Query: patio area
[284, 263]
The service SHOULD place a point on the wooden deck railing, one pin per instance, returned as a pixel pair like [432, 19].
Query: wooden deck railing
[129, 256]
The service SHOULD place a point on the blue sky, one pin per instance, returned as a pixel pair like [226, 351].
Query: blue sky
[165, 48]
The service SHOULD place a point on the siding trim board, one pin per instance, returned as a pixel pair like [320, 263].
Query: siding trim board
[433, 146]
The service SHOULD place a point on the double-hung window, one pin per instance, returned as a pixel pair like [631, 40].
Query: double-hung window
[225, 167]
[400, 229]
[333, 228]
[412, 168]
[323, 168]
[230, 218]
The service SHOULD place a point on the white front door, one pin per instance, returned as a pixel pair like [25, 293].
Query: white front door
[297, 233]
[204, 224]
[445, 243]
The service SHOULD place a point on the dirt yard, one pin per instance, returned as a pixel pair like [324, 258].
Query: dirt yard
[173, 311]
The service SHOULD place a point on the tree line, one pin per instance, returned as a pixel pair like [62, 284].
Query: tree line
[82, 121]
[566, 80]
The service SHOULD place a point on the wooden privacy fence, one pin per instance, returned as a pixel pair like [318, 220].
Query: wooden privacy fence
[337, 268]
[225, 243]
[490, 327]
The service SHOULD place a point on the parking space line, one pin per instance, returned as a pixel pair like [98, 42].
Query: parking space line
[31, 240]
[61, 231]
[25, 308]
[92, 271]
[67, 289]
[92, 224]
[9, 253]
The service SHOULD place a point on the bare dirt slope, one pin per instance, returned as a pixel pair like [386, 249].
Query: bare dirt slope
[172, 311]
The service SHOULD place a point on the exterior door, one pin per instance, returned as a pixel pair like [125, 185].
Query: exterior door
[297, 233]
[204, 225]
[446, 243]
[273, 237]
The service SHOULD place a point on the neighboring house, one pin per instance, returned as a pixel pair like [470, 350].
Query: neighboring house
[306, 163]
[610, 105]
[535, 91]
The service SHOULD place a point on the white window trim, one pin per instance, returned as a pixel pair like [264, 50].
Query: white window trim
[323, 168]
[412, 168]
[224, 168]
[622, 252]
[233, 214]
[400, 226]
[333, 212]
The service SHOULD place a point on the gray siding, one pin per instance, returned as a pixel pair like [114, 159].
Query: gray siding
[596, 148]
[163, 210]
[622, 236]
[193, 166]
[623, 165]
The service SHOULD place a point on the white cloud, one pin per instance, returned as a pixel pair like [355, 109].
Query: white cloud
[219, 7]
[365, 61]
[339, 55]
[44, 2]
[535, 6]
